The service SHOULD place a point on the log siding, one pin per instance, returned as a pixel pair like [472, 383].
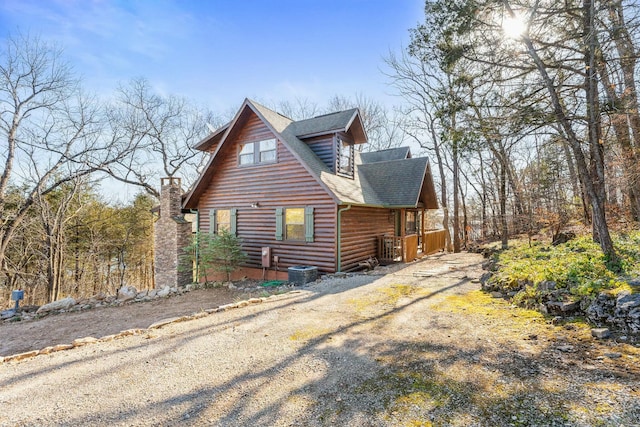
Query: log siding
[361, 227]
[276, 185]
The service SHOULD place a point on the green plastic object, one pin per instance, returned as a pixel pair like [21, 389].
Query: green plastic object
[272, 283]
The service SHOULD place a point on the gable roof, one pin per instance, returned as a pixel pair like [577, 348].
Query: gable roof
[383, 184]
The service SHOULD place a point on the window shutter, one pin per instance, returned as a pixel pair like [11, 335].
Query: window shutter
[278, 223]
[234, 221]
[308, 224]
[212, 222]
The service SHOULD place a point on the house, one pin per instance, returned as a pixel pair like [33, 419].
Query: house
[302, 193]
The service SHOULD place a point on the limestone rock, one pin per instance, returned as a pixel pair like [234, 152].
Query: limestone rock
[7, 314]
[562, 307]
[127, 293]
[600, 333]
[82, 341]
[164, 292]
[63, 304]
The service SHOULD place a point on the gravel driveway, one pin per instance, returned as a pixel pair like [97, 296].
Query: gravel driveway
[419, 346]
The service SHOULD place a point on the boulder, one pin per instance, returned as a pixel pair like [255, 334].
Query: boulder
[7, 314]
[63, 304]
[164, 292]
[126, 293]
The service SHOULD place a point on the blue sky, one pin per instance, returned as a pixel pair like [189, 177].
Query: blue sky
[219, 52]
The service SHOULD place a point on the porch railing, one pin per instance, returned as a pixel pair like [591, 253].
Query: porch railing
[433, 241]
[390, 249]
[404, 249]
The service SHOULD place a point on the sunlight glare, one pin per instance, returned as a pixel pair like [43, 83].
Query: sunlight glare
[514, 27]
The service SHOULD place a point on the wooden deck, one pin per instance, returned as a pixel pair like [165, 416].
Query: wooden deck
[404, 249]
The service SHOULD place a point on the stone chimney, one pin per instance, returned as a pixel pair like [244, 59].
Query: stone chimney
[172, 234]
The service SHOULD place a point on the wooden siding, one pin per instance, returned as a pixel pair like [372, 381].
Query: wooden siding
[324, 147]
[361, 227]
[283, 184]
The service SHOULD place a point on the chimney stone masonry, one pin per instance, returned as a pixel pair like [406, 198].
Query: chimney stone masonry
[172, 234]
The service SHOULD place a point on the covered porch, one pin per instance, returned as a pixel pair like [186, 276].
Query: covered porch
[411, 240]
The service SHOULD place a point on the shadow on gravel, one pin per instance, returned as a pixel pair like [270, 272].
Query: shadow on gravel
[407, 380]
[398, 382]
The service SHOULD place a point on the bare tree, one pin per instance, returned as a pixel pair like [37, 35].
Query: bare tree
[51, 129]
[163, 130]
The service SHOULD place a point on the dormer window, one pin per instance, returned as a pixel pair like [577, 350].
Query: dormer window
[344, 162]
[258, 152]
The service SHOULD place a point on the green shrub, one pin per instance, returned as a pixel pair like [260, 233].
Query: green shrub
[578, 268]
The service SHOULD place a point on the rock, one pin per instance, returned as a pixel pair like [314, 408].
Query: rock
[562, 307]
[7, 314]
[600, 333]
[61, 347]
[547, 285]
[613, 355]
[626, 301]
[485, 277]
[164, 292]
[142, 294]
[63, 304]
[83, 341]
[99, 297]
[231, 285]
[152, 293]
[22, 356]
[126, 293]
[496, 294]
[161, 323]
[565, 348]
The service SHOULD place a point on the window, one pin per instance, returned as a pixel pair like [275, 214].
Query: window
[223, 219]
[268, 150]
[246, 154]
[258, 152]
[295, 224]
[345, 158]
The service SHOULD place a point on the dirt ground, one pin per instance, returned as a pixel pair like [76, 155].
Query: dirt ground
[19, 337]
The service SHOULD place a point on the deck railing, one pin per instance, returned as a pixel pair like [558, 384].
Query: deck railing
[405, 249]
[433, 241]
[390, 249]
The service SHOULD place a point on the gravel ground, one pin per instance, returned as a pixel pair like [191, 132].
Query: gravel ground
[418, 346]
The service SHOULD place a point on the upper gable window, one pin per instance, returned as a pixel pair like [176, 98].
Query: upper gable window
[345, 158]
[258, 152]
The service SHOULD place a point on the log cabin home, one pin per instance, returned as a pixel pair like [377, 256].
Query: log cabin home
[303, 193]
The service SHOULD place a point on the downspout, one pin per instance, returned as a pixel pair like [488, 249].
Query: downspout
[339, 258]
[197, 254]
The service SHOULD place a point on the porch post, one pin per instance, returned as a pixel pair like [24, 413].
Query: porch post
[422, 233]
[403, 226]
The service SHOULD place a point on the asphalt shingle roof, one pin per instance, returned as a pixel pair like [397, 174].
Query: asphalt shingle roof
[338, 121]
[398, 153]
[390, 180]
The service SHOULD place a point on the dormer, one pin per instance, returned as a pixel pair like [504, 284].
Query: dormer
[333, 137]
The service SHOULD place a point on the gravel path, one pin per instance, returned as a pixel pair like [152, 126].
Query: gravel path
[414, 347]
